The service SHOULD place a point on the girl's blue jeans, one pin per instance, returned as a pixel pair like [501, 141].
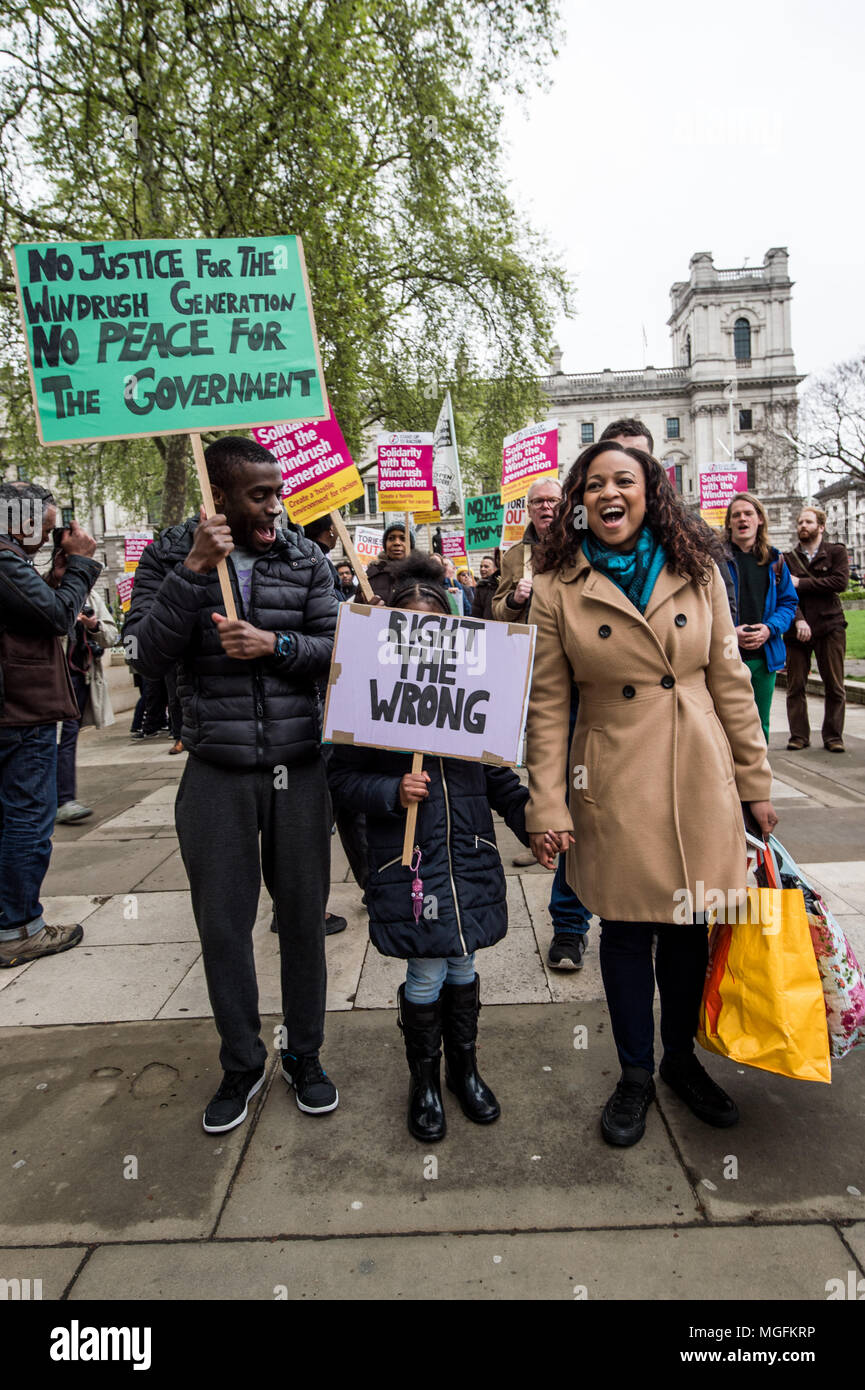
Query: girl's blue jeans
[424, 978]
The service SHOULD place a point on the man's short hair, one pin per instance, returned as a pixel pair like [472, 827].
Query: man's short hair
[32, 492]
[542, 482]
[226, 456]
[818, 512]
[632, 429]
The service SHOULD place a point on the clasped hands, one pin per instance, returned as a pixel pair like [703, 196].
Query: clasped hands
[546, 845]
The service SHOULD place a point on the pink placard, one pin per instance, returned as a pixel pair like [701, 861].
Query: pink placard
[529, 454]
[426, 683]
[718, 486]
[134, 547]
[454, 546]
[318, 473]
[405, 471]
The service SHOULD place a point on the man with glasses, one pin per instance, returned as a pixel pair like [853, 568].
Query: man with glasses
[513, 597]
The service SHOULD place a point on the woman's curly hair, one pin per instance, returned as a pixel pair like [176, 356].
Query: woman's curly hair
[689, 550]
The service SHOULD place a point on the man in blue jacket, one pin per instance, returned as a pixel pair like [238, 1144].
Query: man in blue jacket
[35, 693]
[253, 799]
[764, 597]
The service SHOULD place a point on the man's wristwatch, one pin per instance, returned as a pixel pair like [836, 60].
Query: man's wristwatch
[283, 644]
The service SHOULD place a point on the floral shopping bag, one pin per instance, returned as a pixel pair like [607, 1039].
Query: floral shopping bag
[840, 974]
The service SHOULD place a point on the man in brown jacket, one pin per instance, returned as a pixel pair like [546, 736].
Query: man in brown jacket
[513, 597]
[820, 572]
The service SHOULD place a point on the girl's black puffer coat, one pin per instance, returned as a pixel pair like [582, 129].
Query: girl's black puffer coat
[465, 904]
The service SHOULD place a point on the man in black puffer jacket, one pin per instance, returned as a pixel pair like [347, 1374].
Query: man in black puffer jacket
[254, 796]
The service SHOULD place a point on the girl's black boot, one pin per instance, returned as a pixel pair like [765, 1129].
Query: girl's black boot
[462, 1005]
[421, 1026]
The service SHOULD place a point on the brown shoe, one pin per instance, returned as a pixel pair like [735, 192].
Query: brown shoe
[178, 747]
[49, 941]
[797, 744]
[523, 861]
[836, 746]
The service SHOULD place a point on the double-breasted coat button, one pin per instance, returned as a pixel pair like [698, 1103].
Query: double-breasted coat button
[628, 691]
[680, 620]
[668, 682]
[604, 630]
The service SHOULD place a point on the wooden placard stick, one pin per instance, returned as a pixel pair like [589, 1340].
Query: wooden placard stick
[350, 553]
[411, 815]
[408, 533]
[210, 510]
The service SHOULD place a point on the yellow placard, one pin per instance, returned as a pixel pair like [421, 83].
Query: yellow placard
[328, 495]
[404, 501]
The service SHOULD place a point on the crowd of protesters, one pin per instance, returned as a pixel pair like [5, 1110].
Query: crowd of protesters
[657, 650]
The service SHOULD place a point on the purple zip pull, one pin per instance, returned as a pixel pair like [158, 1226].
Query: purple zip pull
[416, 885]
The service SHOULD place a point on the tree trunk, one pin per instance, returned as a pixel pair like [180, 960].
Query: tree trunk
[176, 475]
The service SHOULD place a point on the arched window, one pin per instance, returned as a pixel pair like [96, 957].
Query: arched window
[742, 340]
[687, 350]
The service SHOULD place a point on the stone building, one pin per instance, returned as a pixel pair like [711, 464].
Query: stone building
[730, 333]
[843, 501]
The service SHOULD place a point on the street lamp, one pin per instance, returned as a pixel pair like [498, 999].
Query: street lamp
[69, 476]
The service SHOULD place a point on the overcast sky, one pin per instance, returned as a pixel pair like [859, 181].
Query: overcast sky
[674, 127]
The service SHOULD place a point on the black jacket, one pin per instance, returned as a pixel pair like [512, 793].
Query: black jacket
[34, 617]
[381, 578]
[465, 902]
[482, 604]
[242, 714]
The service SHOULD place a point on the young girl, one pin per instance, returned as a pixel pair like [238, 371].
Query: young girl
[464, 899]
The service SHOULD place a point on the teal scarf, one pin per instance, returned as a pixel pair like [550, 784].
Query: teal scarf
[635, 572]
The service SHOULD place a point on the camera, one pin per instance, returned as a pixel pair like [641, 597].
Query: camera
[57, 535]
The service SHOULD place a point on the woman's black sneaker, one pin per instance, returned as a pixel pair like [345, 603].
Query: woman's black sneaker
[315, 1093]
[229, 1105]
[624, 1119]
[703, 1097]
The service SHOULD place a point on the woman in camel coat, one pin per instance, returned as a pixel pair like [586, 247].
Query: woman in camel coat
[667, 746]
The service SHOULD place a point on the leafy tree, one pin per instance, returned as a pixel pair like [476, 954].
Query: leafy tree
[371, 129]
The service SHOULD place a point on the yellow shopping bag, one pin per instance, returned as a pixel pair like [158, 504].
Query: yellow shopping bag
[763, 1002]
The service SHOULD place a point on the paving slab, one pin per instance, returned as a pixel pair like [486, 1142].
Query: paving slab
[80, 1103]
[855, 1238]
[827, 836]
[792, 1262]
[168, 874]
[142, 919]
[40, 1274]
[564, 985]
[103, 869]
[845, 880]
[543, 1165]
[799, 1147]
[97, 984]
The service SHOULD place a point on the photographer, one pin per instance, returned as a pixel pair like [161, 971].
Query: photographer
[94, 631]
[35, 693]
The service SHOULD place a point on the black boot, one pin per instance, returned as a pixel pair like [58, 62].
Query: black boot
[460, 1030]
[421, 1026]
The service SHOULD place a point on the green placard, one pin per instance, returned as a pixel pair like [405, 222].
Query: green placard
[131, 338]
[484, 517]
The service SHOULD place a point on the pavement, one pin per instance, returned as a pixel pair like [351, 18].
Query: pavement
[109, 1055]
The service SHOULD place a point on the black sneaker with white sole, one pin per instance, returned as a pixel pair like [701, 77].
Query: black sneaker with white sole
[229, 1106]
[567, 949]
[315, 1093]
